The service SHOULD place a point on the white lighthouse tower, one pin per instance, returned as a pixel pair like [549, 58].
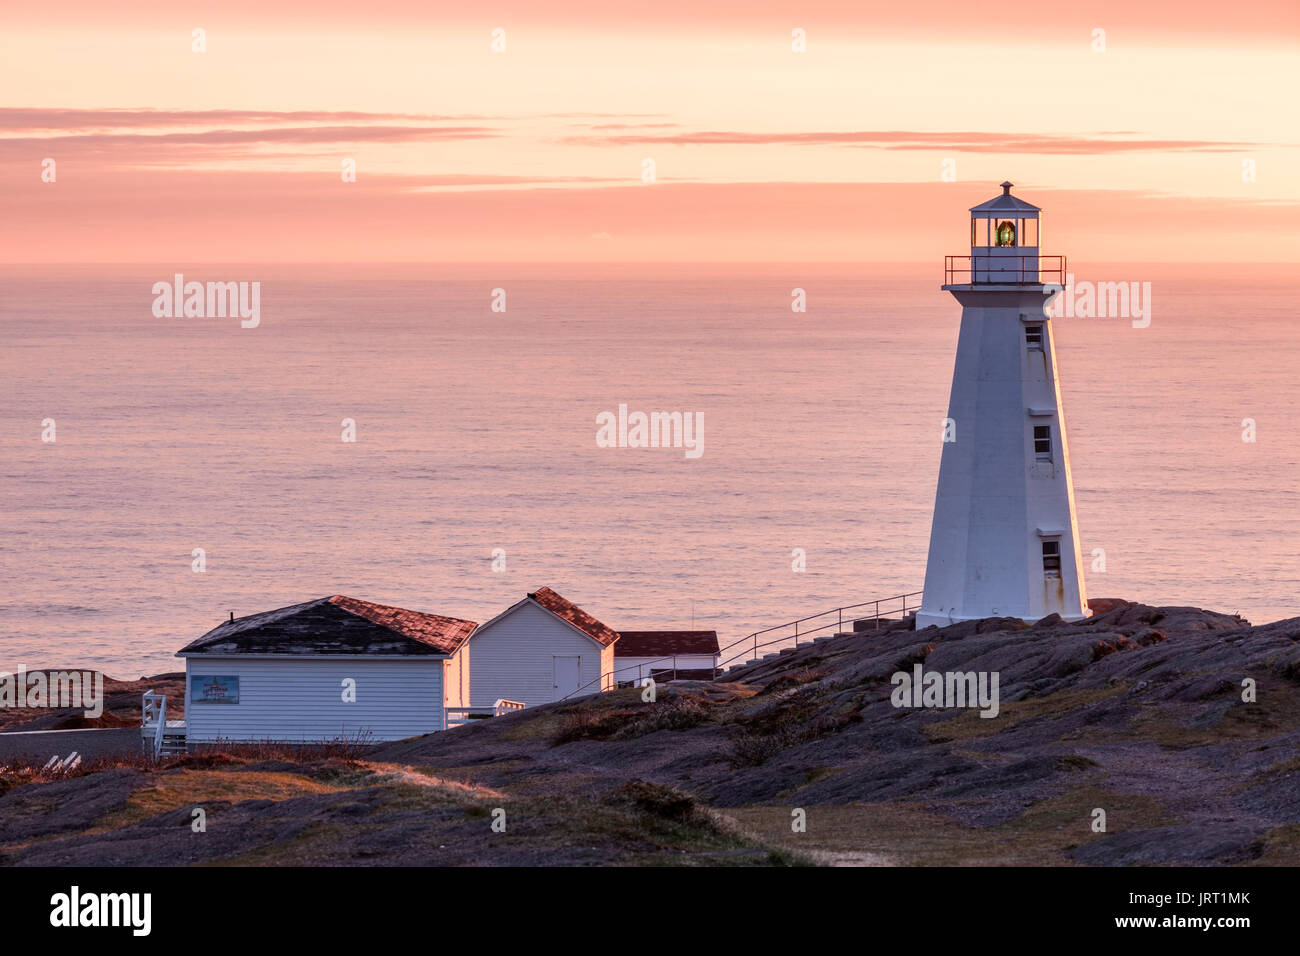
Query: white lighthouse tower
[1005, 540]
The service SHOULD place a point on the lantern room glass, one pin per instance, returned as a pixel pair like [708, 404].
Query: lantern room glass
[1005, 232]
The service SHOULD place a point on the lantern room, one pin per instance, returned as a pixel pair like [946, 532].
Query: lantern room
[1004, 222]
[1004, 239]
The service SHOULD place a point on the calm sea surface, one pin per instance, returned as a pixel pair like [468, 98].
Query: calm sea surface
[476, 431]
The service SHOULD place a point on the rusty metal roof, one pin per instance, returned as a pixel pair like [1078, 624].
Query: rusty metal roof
[566, 609]
[665, 643]
[335, 625]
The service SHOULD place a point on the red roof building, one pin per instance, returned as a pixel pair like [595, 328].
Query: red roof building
[665, 655]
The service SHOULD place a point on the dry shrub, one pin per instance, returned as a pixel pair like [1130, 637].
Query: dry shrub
[628, 723]
[584, 724]
[659, 801]
[804, 675]
[801, 717]
[678, 713]
[1103, 648]
[750, 749]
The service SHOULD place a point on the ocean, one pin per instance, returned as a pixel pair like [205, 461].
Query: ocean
[476, 475]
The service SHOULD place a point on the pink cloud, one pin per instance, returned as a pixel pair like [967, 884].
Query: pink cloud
[68, 120]
[917, 140]
[227, 216]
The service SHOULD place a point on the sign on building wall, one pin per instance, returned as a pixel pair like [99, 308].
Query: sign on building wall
[205, 689]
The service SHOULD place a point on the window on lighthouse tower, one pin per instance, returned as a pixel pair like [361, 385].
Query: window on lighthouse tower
[1043, 442]
[1051, 559]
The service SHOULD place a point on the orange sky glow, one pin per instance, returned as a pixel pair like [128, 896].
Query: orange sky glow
[1177, 141]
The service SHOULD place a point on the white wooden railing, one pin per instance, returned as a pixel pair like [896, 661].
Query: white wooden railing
[153, 712]
[459, 716]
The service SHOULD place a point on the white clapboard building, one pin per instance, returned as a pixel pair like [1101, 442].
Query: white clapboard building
[542, 649]
[331, 669]
[342, 669]
[665, 655]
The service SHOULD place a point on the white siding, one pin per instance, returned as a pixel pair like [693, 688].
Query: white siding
[456, 679]
[514, 657]
[994, 495]
[300, 699]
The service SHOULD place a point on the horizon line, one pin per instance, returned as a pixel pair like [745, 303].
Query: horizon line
[608, 262]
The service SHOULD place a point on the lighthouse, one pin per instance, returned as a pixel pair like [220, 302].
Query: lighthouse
[1005, 539]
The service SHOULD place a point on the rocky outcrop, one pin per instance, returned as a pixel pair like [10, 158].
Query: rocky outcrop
[1180, 727]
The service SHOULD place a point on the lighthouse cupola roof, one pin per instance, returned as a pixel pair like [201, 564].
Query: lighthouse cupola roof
[1005, 204]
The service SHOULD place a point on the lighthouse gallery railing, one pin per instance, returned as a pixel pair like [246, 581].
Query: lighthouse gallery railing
[1004, 270]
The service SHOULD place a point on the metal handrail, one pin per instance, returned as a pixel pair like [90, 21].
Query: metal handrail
[1033, 276]
[755, 646]
[752, 639]
[628, 667]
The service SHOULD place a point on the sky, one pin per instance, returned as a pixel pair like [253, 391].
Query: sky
[644, 132]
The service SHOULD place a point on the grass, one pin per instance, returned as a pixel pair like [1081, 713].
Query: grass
[1281, 847]
[1276, 710]
[302, 850]
[969, 725]
[1071, 813]
[437, 817]
[191, 788]
[907, 833]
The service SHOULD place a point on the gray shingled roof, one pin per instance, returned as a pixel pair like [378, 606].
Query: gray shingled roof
[335, 625]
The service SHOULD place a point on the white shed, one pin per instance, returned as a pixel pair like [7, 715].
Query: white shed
[332, 669]
[542, 649]
[665, 655]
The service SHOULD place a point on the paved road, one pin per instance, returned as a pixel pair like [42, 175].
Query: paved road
[89, 743]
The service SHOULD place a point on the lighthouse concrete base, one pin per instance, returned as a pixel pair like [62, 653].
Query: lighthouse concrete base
[928, 618]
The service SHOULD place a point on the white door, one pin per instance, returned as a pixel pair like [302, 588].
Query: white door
[568, 674]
